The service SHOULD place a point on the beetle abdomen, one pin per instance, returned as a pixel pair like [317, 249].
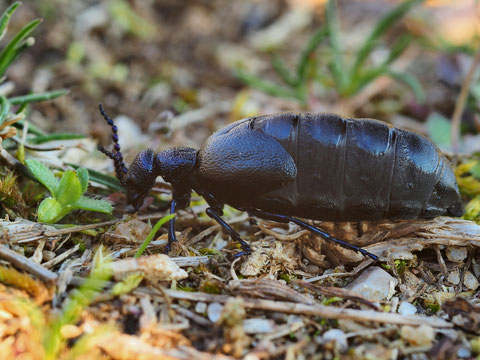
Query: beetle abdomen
[352, 170]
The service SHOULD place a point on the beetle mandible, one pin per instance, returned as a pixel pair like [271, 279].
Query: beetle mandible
[314, 166]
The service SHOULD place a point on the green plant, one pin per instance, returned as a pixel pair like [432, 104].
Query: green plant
[152, 233]
[54, 343]
[67, 194]
[347, 78]
[19, 43]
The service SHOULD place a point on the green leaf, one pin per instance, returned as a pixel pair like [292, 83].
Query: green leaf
[107, 180]
[25, 99]
[100, 205]
[5, 108]
[69, 190]
[439, 129]
[128, 284]
[50, 211]
[43, 174]
[82, 174]
[152, 233]
[4, 20]
[53, 137]
[385, 23]
[475, 170]
[411, 81]
[14, 47]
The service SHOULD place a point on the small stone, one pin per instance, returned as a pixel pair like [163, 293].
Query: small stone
[201, 307]
[338, 337]
[464, 353]
[456, 254]
[454, 277]
[258, 326]
[374, 284]
[422, 335]
[406, 308]
[470, 281]
[70, 331]
[214, 311]
[476, 268]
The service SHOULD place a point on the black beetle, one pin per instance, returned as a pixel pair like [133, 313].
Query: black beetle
[315, 166]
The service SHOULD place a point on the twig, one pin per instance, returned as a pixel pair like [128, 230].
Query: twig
[328, 312]
[97, 225]
[26, 264]
[61, 257]
[461, 101]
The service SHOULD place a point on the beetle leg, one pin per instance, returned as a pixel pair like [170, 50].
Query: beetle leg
[171, 228]
[233, 234]
[315, 230]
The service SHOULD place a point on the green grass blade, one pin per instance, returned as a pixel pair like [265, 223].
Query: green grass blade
[4, 20]
[411, 81]
[32, 129]
[397, 49]
[11, 51]
[310, 48]
[5, 108]
[386, 22]
[263, 85]
[25, 99]
[283, 71]
[53, 137]
[337, 64]
[152, 233]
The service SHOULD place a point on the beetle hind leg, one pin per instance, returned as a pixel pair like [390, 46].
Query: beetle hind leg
[315, 230]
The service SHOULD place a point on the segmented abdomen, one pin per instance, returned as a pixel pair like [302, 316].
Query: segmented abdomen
[350, 169]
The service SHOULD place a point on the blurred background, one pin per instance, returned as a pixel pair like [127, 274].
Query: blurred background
[178, 70]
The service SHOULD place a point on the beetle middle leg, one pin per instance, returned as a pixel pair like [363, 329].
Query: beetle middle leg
[215, 215]
[315, 230]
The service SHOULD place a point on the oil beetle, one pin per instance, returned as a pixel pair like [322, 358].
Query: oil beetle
[314, 166]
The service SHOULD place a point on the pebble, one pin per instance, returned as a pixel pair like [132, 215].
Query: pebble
[201, 307]
[338, 337]
[456, 254]
[214, 311]
[406, 308]
[470, 281]
[454, 277]
[422, 335]
[258, 326]
[374, 284]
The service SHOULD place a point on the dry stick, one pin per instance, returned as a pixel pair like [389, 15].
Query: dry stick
[97, 225]
[328, 312]
[461, 101]
[26, 264]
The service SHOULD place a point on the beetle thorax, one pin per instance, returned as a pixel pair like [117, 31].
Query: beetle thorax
[175, 164]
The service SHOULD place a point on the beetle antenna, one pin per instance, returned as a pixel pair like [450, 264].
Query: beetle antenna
[116, 155]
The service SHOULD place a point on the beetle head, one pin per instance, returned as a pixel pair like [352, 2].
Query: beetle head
[445, 199]
[140, 179]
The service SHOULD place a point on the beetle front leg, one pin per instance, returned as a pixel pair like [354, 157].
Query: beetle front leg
[233, 234]
[315, 230]
[171, 228]
[180, 200]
